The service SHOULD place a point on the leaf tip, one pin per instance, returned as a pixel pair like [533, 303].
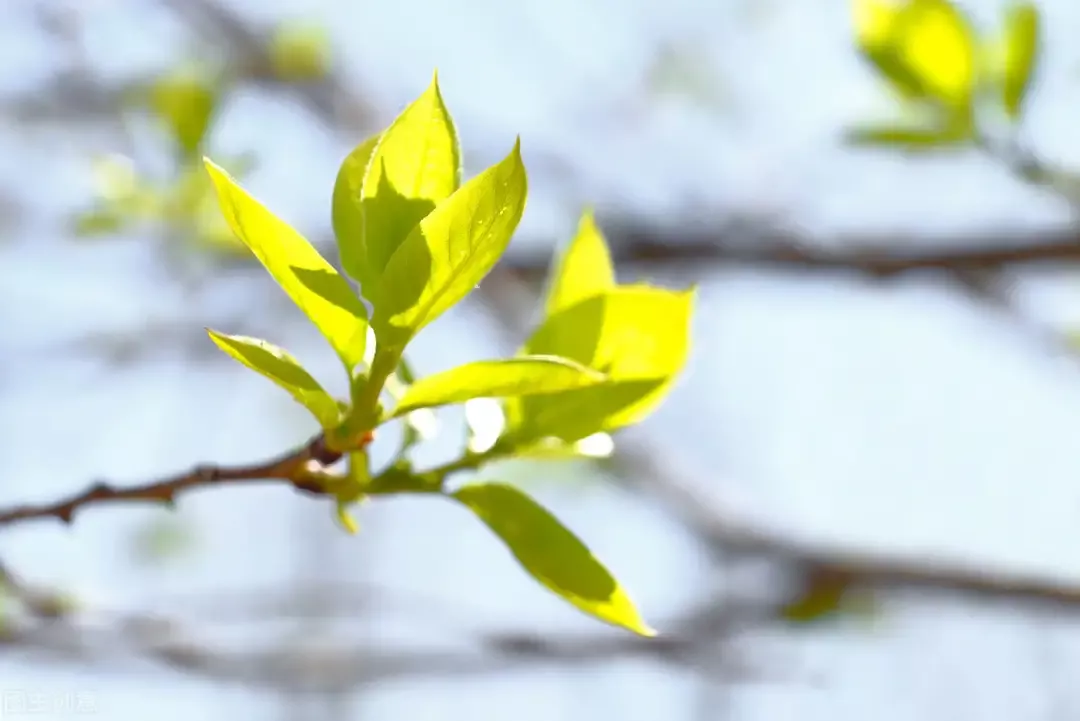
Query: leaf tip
[588, 217]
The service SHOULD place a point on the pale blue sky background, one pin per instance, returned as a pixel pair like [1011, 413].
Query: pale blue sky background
[897, 417]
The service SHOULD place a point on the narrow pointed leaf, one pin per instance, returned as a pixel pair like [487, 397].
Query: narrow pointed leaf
[1021, 48]
[639, 336]
[528, 375]
[279, 366]
[450, 251]
[415, 164]
[908, 138]
[583, 269]
[311, 282]
[551, 554]
[347, 213]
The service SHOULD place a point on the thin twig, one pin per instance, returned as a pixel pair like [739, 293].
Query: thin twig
[288, 467]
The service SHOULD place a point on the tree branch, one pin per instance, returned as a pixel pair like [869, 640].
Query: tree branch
[878, 256]
[289, 467]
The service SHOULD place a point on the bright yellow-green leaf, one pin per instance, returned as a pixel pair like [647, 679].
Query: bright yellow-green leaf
[279, 366]
[877, 25]
[876, 21]
[910, 138]
[552, 554]
[415, 164]
[185, 101]
[311, 282]
[450, 251]
[638, 335]
[348, 214]
[521, 376]
[583, 270]
[926, 49]
[936, 41]
[1021, 48]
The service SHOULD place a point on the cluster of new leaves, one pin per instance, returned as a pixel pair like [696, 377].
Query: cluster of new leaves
[417, 240]
[952, 78]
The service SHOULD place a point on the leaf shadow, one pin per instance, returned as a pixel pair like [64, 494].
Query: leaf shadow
[332, 288]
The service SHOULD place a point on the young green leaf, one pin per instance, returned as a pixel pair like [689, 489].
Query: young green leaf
[415, 165]
[638, 335]
[551, 554]
[908, 138]
[519, 376]
[450, 251]
[279, 366]
[877, 24]
[311, 282]
[1021, 48]
[583, 270]
[937, 43]
[925, 49]
[347, 214]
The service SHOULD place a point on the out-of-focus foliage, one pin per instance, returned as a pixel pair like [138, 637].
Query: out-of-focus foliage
[944, 71]
[300, 51]
[826, 594]
[162, 539]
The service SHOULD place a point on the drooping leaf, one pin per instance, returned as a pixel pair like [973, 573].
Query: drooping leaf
[415, 164]
[350, 490]
[521, 376]
[311, 282]
[450, 251]
[283, 369]
[582, 270]
[1021, 49]
[551, 554]
[639, 336]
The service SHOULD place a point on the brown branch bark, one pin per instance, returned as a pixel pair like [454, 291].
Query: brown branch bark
[878, 256]
[286, 467]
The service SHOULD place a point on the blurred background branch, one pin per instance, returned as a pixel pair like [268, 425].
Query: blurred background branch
[805, 582]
